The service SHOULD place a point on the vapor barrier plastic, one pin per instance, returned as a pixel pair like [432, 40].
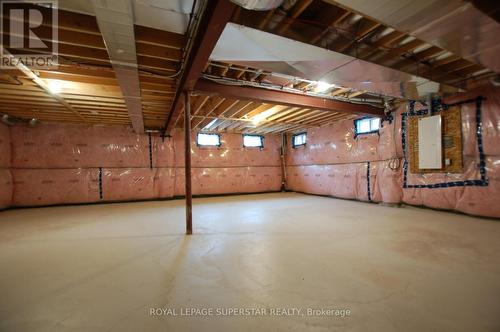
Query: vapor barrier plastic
[348, 181]
[137, 183]
[370, 167]
[54, 186]
[231, 152]
[6, 188]
[5, 153]
[76, 146]
[64, 164]
[230, 180]
[230, 168]
[5, 176]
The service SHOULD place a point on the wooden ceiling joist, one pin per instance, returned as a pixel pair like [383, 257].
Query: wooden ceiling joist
[85, 70]
[31, 75]
[337, 28]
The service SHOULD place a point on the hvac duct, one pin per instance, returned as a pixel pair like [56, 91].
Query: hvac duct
[454, 25]
[258, 49]
[258, 4]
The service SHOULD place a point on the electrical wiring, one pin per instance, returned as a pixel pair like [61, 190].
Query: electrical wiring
[276, 87]
[394, 164]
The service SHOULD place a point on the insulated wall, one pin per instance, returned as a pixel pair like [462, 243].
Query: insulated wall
[230, 168]
[64, 164]
[372, 167]
[5, 174]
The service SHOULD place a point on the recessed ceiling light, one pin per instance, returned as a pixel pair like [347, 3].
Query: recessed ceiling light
[120, 51]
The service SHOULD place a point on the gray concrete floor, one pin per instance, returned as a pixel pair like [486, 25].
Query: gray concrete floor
[102, 267]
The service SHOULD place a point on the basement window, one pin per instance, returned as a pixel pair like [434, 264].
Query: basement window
[366, 125]
[299, 139]
[208, 139]
[253, 141]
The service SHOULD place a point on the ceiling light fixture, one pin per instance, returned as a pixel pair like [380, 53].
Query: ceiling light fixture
[264, 115]
[55, 86]
[322, 86]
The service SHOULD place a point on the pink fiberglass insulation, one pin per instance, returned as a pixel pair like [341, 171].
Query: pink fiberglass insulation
[64, 164]
[6, 188]
[334, 162]
[5, 176]
[230, 168]
[61, 164]
[387, 182]
[163, 151]
[207, 181]
[231, 152]
[124, 184]
[54, 186]
[75, 146]
[5, 153]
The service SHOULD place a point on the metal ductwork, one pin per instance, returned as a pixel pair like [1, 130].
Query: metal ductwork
[116, 22]
[254, 48]
[454, 25]
[258, 4]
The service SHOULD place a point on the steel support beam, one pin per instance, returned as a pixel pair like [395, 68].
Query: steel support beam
[284, 98]
[187, 163]
[214, 18]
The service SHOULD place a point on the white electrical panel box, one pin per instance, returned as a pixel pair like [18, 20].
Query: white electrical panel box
[430, 153]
